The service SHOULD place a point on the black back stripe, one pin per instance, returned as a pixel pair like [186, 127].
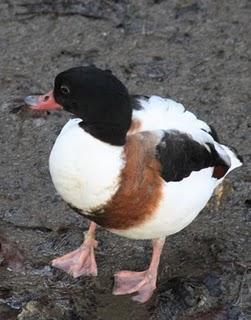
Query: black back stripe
[135, 103]
[180, 155]
[213, 133]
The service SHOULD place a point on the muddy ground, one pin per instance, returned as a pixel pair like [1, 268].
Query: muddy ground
[195, 51]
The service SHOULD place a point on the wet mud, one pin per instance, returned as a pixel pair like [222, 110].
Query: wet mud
[197, 52]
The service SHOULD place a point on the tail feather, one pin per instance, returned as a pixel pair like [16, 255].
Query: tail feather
[236, 160]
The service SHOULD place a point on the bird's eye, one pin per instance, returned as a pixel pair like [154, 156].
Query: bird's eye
[64, 89]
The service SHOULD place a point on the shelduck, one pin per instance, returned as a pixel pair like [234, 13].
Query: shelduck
[141, 167]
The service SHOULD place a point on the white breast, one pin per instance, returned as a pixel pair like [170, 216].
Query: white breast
[84, 170]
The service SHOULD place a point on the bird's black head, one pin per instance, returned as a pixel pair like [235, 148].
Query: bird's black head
[94, 95]
[99, 99]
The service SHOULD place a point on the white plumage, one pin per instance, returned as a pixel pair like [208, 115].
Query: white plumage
[86, 171]
[167, 172]
[166, 114]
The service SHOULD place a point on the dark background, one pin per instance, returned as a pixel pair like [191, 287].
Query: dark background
[195, 51]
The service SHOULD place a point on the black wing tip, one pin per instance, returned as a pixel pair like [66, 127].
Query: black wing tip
[213, 133]
[239, 157]
[180, 155]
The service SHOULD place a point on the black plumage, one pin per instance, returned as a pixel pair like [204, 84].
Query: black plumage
[180, 155]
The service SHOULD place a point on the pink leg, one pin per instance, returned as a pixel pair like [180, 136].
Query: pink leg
[144, 282]
[81, 261]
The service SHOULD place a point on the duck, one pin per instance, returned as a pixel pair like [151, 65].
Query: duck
[142, 167]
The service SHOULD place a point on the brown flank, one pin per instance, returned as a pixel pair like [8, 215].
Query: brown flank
[220, 171]
[140, 186]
